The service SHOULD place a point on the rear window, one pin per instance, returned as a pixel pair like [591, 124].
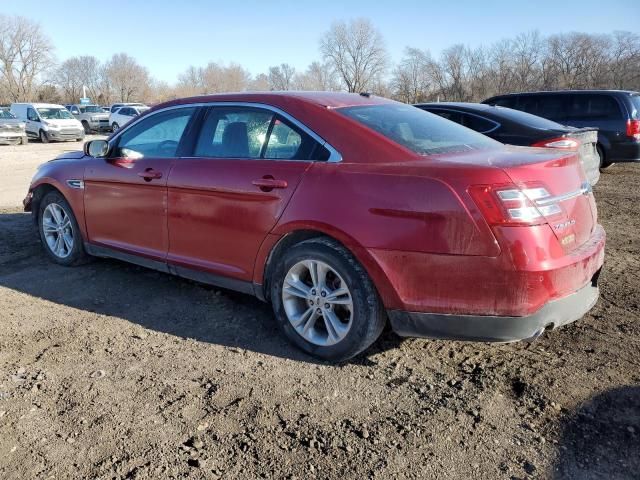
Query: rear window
[417, 130]
[527, 119]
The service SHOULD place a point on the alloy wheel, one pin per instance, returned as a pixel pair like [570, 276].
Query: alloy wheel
[58, 230]
[317, 302]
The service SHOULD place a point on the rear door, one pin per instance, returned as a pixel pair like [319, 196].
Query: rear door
[126, 194]
[226, 197]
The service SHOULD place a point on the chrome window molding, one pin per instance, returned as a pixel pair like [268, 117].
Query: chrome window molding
[334, 155]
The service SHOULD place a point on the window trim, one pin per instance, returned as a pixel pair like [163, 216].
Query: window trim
[462, 112]
[334, 155]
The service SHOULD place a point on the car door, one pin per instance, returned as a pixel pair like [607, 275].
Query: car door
[125, 195]
[33, 123]
[226, 198]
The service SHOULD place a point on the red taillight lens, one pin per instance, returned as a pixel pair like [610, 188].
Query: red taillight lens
[510, 205]
[633, 129]
[559, 142]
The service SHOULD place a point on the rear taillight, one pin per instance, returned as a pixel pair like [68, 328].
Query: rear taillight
[633, 129]
[559, 142]
[510, 205]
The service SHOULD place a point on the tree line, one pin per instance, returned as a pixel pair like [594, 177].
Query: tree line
[352, 57]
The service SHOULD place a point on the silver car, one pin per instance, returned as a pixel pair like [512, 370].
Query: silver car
[12, 130]
[92, 117]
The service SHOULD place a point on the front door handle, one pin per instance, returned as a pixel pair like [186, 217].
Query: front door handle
[150, 174]
[267, 184]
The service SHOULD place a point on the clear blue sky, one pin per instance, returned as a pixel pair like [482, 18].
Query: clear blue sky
[167, 36]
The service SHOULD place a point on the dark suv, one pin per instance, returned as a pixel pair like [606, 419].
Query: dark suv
[615, 113]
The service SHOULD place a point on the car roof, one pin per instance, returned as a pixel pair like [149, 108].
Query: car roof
[323, 99]
[559, 92]
[40, 105]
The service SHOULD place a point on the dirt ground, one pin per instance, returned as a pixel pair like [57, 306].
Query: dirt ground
[111, 371]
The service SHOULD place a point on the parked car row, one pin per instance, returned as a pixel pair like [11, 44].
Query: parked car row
[50, 122]
[344, 211]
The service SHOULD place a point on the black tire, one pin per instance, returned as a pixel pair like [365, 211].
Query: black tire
[603, 159]
[77, 255]
[44, 138]
[24, 140]
[369, 316]
[86, 127]
[115, 127]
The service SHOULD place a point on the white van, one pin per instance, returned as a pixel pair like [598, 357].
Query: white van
[48, 122]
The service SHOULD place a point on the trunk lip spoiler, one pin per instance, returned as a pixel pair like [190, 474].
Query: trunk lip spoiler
[585, 189]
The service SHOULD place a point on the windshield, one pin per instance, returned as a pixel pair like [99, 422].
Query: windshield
[6, 114]
[141, 110]
[420, 131]
[54, 113]
[90, 109]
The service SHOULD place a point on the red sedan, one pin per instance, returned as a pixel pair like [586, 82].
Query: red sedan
[342, 210]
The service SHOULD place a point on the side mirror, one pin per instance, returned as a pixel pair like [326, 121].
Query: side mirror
[96, 148]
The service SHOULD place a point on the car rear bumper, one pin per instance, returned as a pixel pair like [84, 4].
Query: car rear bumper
[488, 328]
[628, 151]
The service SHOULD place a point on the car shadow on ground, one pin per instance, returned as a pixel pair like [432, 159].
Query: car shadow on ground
[602, 438]
[154, 300]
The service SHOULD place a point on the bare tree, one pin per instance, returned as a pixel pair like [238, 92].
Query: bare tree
[127, 79]
[78, 72]
[281, 77]
[357, 53]
[318, 76]
[411, 80]
[25, 53]
[260, 83]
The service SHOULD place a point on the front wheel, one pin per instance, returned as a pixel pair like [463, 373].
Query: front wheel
[324, 300]
[59, 231]
[115, 127]
[43, 137]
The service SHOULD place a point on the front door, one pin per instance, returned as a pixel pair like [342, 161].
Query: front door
[126, 193]
[227, 196]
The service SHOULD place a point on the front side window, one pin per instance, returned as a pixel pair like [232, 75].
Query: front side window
[156, 136]
[32, 115]
[417, 130]
[53, 113]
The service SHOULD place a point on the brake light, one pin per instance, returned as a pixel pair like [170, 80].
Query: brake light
[510, 205]
[633, 129]
[560, 142]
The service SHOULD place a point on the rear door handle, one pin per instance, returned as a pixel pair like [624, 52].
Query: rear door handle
[267, 184]
[150, 174]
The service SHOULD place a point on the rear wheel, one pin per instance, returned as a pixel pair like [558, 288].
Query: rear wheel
[43, 137]
[603, 161]
[115, 127]
[86, 127]
[324, 300]
[59, 231]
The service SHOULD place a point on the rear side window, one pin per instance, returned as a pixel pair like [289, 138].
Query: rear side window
[253, 133]
[553, 107]
[417, 130]
[593, 107]
[479, 124]
[635, 102]
[448, 114]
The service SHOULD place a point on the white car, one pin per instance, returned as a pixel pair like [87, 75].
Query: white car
[48, 121]
[123, 115]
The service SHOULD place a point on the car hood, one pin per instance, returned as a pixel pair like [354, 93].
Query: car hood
[11, 121]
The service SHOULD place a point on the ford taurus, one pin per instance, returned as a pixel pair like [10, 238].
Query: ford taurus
[344, 211]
